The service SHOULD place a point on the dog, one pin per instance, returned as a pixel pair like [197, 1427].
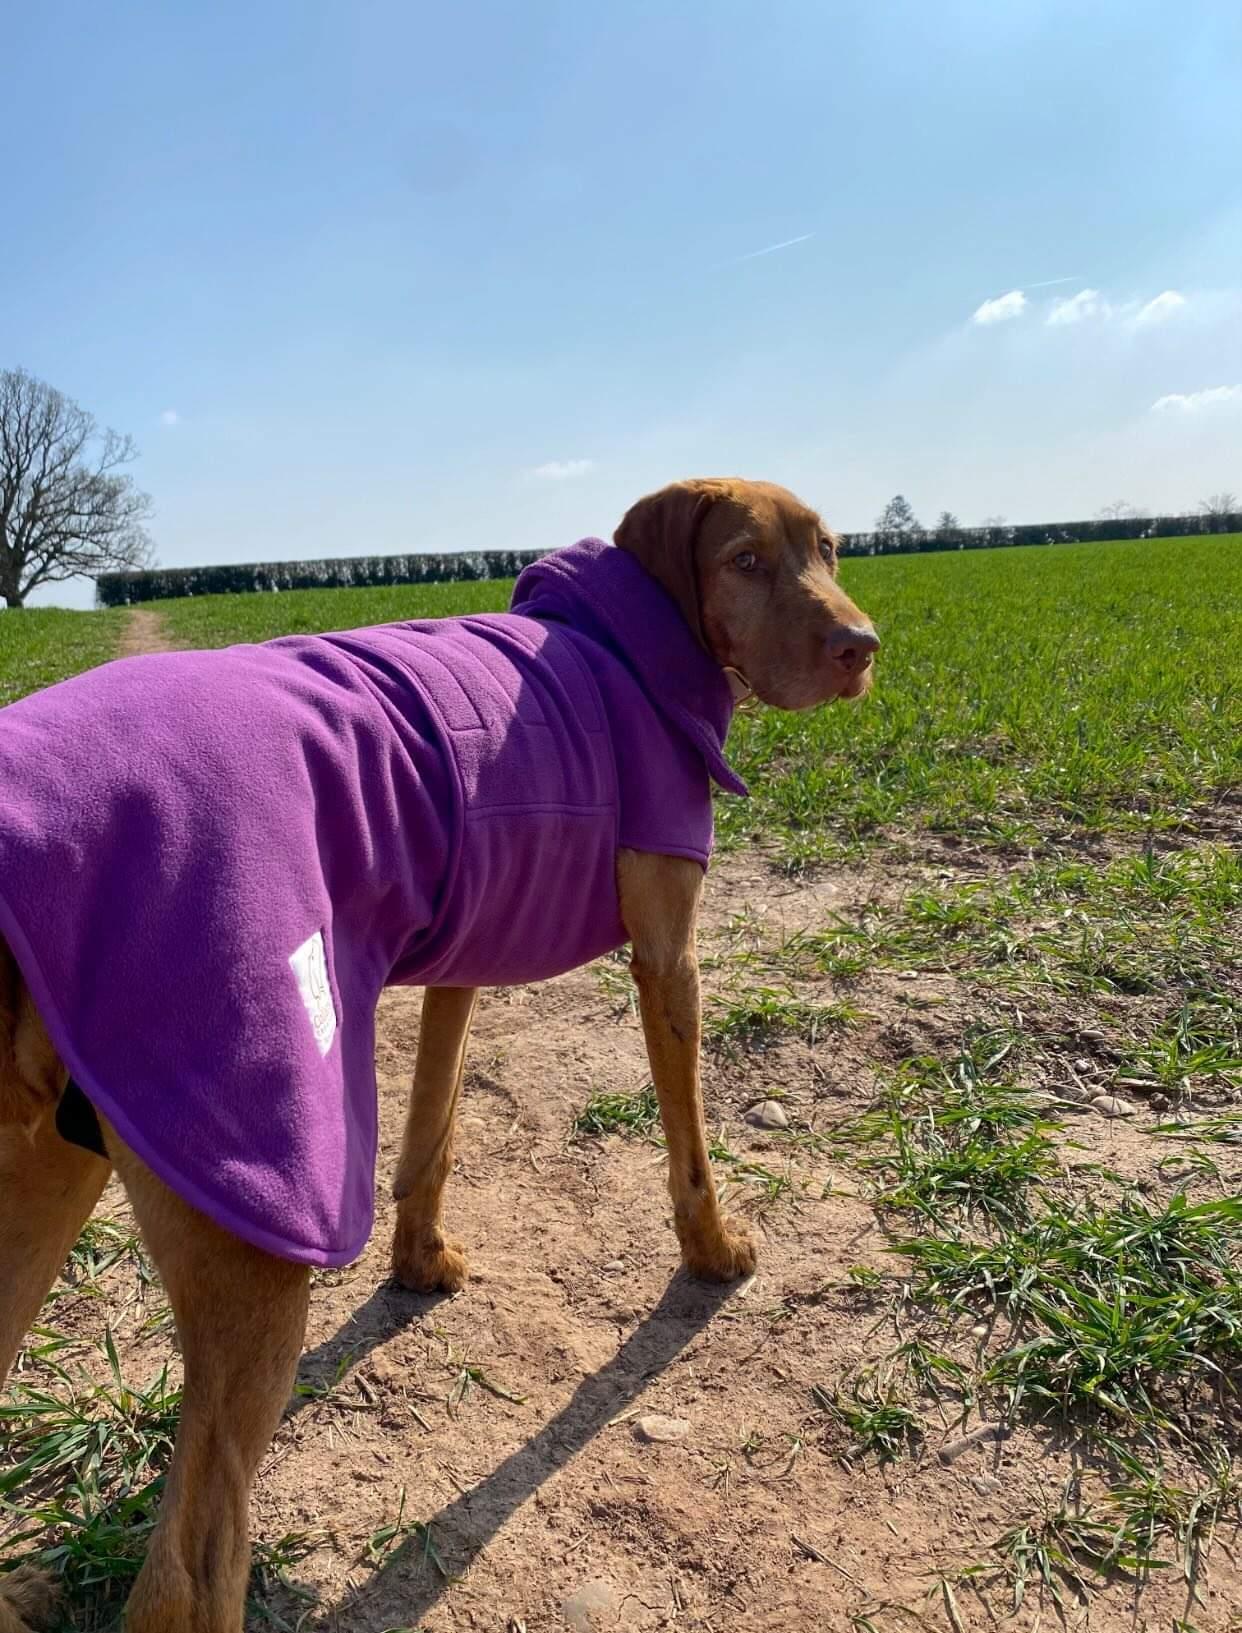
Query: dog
[211, 863]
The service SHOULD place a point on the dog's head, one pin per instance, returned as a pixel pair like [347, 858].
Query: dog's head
[755, 573]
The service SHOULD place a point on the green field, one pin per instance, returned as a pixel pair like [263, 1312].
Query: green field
[218, 620]
[41, 645]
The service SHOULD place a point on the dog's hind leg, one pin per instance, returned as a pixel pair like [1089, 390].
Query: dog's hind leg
[47, 1191]
[241, 1321]
[422, 1256]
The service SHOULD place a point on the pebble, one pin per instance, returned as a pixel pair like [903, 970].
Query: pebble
[1082, 1064]
[985, 1484]
[1073, 1094]
[591, 1608]
[614, 1264]
[656, 1427]
[767, 1114]
[1160, 1102]
[1110, 1105]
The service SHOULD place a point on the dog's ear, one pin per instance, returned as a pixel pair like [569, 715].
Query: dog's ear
[662, 532]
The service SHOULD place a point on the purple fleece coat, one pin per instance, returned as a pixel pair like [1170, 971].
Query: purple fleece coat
[211, 863]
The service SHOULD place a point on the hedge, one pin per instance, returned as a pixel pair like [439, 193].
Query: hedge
[164, 583]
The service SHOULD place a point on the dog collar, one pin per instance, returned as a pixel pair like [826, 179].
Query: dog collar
[738, 684]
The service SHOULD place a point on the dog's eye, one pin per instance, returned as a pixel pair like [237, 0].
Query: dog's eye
[746, 561]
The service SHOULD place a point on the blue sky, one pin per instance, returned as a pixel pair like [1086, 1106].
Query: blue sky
[385, 276]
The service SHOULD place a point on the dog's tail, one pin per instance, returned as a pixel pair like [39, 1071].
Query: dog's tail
[32, 1078]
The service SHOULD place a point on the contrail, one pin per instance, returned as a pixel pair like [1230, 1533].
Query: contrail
[786, 243]
[1048, 283]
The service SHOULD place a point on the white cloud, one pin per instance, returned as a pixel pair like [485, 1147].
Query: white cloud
[1000, 308]
[170, 416]
[1161, 308]
[563, 470]
[1190, 402]
[1087, 303]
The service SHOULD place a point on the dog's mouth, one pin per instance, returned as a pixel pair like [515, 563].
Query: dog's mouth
[857, 685]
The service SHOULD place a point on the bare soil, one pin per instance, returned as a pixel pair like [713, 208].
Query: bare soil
[144, 631]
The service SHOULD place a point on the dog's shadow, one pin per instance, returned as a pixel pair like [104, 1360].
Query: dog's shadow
[417, 1572]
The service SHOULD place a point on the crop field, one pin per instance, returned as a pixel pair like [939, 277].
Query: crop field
[973, 1035]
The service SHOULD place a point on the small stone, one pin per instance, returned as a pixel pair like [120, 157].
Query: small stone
[985, 1484]
[1074, 1093]
[1111, 1105]
[664, 1430]
[1082, 1064]
[614, 1265]
[980, 1330]
[767, 1114]
[1160, 1102]
[591, 1608]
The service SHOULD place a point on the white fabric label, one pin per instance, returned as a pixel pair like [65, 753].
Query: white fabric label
[310, 968]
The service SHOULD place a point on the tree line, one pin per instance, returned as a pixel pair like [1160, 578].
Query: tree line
[898, 531]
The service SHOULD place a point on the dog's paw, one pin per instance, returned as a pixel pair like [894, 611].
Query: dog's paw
[427, 1262]
[28, 1596]
[725, 1254]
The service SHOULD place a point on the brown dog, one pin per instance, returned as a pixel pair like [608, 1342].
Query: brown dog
[754, 573]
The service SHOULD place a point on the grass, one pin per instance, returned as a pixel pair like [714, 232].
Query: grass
[1118, 1314]
[83, 1480]
[1065, 1297]
[220, 620]
[947, 1139]
[755, 1016]
[41, 645]
[87, 1465]
[622, 1112]
[880, 1424]
[1134, 926]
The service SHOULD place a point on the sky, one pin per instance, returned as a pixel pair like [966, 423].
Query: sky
[386, 276]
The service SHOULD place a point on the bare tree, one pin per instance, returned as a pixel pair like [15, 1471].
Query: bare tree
[66, 506]
[1219, 504]
[1119, 511]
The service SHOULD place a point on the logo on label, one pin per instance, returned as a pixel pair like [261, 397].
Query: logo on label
[310, 968]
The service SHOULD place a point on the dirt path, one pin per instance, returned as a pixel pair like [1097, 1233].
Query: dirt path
[144, 631]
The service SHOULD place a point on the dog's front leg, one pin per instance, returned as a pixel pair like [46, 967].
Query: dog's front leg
[659, 907]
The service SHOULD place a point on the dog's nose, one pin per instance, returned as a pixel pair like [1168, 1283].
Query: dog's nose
[851, 646]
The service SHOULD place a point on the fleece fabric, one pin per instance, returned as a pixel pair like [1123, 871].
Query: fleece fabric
[212, 863]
